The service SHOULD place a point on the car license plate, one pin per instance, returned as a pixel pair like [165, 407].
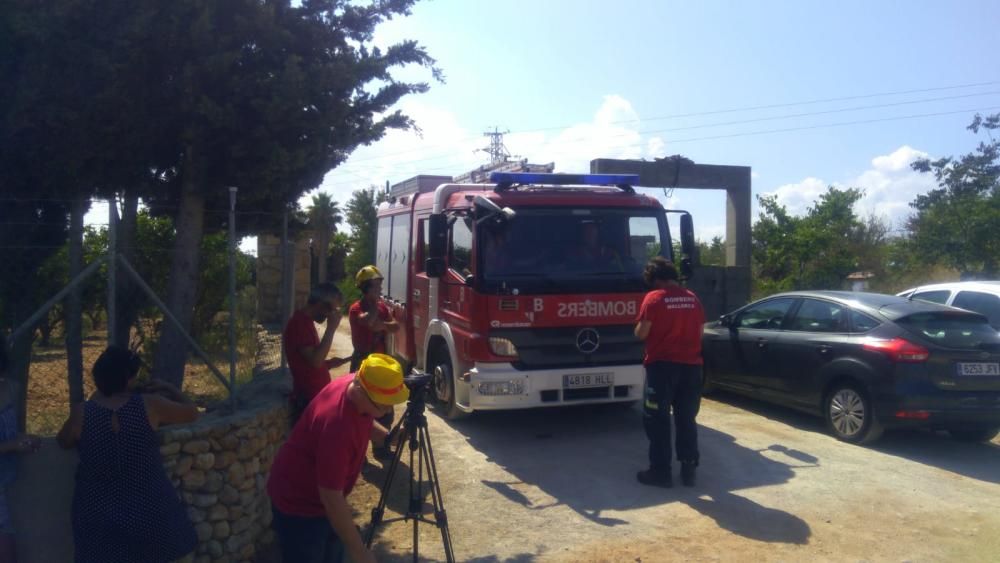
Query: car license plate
[978, 368]
[588, 380]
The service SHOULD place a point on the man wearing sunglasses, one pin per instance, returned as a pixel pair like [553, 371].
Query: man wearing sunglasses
[304, 349]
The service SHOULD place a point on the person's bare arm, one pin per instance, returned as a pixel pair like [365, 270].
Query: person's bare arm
[642, 329]
[316, 355]
[23, 443]
[336, 362]
[69, 434]
[169, 406]
[338, 512]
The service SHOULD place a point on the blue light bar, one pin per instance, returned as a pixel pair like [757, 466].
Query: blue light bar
[510, 178]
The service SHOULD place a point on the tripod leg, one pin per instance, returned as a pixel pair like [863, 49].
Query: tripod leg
[415, 500]
[378, 513]
[440, 514]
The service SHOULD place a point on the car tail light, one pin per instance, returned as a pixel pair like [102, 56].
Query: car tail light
[898, 349]
[913, 415]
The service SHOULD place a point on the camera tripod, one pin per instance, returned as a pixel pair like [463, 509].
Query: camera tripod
[413, 429]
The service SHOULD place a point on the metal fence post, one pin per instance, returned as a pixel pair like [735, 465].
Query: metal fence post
[112, 267]
[232, 297]
[284, 284]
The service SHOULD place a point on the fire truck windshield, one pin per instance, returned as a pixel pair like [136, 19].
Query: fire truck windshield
[571, 250]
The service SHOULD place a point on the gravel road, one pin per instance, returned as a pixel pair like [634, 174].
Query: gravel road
[559, 485]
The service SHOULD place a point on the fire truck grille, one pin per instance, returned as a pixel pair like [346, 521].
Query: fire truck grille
[549, 348]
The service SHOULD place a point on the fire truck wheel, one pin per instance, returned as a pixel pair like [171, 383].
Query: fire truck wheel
[444, 389]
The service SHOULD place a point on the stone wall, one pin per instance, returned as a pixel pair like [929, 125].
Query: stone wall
[220, 465]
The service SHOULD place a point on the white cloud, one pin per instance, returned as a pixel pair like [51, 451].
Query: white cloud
[889, 185]
[799, 196]
[446, 147]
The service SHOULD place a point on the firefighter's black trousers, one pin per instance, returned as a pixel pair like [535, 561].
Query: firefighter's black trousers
[678, 386]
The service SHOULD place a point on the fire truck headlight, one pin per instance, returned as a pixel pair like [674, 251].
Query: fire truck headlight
[502, 346]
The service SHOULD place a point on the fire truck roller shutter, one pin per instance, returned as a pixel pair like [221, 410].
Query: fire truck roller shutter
[400, 258]
[383, 244]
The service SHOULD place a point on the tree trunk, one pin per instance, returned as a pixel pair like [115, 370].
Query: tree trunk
[74, 305]
[18, 370]
[45, 331]
[128, 293]
[172, 350]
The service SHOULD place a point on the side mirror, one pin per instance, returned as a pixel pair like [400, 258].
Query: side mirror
[469, 280]
[437, 245]
[434, 267]
[688, 246]
[486, 209]
[725, 320]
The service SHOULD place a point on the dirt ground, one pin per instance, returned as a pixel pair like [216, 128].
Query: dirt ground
[48, 387]
[559, 485]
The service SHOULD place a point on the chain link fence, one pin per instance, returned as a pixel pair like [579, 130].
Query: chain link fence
[54, 341]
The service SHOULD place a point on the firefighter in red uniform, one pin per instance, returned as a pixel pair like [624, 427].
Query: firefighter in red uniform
[370, 322]
[670, 322]
[306, 351]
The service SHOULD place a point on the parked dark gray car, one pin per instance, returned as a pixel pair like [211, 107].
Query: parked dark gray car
[863, 361]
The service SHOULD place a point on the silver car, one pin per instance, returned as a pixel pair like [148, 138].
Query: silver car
[981, 297]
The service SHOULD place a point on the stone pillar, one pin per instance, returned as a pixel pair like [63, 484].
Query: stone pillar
[269, 274]
[269, 280]
[303, 270]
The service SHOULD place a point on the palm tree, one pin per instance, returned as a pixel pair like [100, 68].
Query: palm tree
[324, 216]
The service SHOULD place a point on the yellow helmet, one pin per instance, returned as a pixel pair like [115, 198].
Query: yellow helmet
[367, 273]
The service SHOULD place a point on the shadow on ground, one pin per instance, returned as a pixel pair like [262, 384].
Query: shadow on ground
[586, 458]
[936, 449]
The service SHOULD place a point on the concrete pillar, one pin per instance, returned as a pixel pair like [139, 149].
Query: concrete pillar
[738, 227]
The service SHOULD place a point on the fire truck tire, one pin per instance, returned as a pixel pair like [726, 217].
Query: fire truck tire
[444, 388]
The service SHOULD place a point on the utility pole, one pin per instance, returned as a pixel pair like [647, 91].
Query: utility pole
[497, 151]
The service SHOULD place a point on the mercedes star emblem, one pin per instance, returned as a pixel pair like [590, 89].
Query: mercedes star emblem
[587, 341]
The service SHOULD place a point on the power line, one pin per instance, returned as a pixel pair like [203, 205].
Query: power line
[751, 133]
[722, 111]
[451, 155]
[827, 125]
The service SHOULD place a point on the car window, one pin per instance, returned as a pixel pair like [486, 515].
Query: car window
[952, 330]
[460, 255]
[939, 296]
[982, 303]
[767, 315]
[861, 322]
[815, 315]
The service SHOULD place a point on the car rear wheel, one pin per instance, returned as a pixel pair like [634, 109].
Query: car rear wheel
[444, 389]
[850, 416]
[974, 434]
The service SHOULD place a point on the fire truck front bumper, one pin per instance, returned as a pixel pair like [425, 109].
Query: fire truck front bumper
[498, 386]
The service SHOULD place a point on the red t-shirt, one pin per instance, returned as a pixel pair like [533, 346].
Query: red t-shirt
[307, 380]
[365, 341]
[326, 449]
[676, 318]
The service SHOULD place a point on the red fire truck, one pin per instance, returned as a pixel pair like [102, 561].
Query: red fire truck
[522, 292]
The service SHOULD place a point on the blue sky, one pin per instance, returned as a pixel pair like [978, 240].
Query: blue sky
[576, 80]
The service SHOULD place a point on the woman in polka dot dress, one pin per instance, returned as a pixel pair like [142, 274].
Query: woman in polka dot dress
[125, 509]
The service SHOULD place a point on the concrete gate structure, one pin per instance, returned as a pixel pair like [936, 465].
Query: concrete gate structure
[721, 289]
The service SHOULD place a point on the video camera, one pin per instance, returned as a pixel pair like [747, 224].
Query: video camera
[417, 383]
